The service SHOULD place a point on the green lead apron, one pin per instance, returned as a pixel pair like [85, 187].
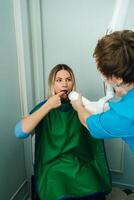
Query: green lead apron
[68, 161]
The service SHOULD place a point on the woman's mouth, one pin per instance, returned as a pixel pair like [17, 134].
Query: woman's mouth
[65, 94]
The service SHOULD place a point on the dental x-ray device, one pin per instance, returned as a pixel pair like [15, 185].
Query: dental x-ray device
[116, 23]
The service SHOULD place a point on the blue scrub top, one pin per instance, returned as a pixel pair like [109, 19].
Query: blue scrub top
[118, 122]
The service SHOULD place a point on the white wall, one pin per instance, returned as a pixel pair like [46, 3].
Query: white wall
[71, 30]
[13, 179]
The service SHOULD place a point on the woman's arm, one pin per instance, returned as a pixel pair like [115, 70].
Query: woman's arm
[31, 121]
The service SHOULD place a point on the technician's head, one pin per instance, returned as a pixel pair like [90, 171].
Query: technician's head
[114, 55]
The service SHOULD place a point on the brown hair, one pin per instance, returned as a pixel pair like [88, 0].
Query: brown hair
[114, 54]
[53, 73]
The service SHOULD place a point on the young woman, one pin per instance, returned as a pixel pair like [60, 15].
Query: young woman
[69, 164]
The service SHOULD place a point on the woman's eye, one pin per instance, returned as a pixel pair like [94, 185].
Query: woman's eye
[58, 80]
[69, 79]
[66, 80]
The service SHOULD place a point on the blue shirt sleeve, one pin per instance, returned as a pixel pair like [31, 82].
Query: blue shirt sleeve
[110, 125]
[19, 133]
[107, 125]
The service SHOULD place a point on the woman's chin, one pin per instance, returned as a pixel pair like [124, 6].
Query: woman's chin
[64, 97]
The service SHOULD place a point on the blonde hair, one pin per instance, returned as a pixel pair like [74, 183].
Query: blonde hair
[52, 76]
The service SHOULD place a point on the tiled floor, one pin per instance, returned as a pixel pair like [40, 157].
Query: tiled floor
[118, 194]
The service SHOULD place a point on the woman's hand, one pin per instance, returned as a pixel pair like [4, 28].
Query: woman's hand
[55, 100]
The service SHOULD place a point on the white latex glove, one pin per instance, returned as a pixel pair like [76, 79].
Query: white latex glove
[95, 107]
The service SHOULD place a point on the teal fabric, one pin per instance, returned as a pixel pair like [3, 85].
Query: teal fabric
[118, 122]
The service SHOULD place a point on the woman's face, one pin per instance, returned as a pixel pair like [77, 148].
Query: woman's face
[63, 82]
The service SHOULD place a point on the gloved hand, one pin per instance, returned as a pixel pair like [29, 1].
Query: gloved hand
[95, 107]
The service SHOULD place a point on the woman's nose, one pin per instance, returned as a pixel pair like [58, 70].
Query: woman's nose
[64, 83]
